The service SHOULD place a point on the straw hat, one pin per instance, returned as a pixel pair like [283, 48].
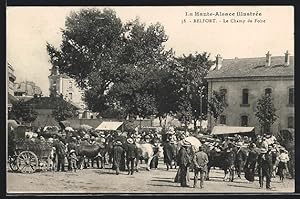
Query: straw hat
[130, 140]
[118, 143]
[72, 151]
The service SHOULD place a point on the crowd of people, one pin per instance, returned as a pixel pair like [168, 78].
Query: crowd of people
[261, 155]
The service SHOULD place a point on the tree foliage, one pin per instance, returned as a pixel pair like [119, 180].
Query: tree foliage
[125, 69]
[22, 112]
[63, 112]
[265, 111]
[192, 70]
[216, 105]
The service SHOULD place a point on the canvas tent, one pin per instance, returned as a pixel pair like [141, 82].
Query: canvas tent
[225, 130]
[109, 126]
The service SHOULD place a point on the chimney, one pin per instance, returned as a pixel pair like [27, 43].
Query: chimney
[286, 58]
[219, 60]
[268, 59]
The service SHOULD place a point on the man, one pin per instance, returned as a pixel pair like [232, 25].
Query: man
[131, 154]
[184, 162]
[250, 163]
[117, 156]
[240, 159]
[61, 154]
[200, 161]
[265, 167]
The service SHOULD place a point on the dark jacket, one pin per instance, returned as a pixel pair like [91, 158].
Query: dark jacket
[252, 158]
[131, 151]
[265, 161]
[183, 157]
[61, 149]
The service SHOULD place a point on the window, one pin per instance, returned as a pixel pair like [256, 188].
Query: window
[291, 96]
[222, 119]
[223, 92]
[70, 95]
[291, 123]
[268, 91]
[245, 96]
[70, 84]
[244, 120]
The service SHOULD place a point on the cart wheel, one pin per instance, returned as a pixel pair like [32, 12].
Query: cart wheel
[12, 160]
[27, 162]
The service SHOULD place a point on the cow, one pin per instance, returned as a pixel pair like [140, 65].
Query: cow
[91, 151]
[224, 159]
[145, 152]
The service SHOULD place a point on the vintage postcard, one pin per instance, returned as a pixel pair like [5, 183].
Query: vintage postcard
[149, 100]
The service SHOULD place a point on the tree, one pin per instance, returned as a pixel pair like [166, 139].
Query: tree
[63, 112]
[115, 63]
[265, 112]
[22, 112]
[192, 71]
[216, 105]
[89, 53]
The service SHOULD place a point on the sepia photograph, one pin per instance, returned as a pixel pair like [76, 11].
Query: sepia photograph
[150, 99]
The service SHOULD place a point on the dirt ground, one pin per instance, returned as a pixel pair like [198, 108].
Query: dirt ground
[154, 181]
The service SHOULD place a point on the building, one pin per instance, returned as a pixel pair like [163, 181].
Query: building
[61, 84]
[45, 106]
[26, 90]
[243, 81]
[11, 78]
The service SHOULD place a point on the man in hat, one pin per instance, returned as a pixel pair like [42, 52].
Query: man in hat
[117, 156]
[131, 154]
[184, 161]
[251, 163]
[200, 160]
[265, 167]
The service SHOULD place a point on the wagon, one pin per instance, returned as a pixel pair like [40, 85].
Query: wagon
[28, 156]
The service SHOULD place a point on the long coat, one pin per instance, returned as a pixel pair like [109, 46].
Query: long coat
[183, 158]
[117, 156]
[168, 153]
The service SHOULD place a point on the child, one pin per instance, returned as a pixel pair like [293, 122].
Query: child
[283, 158]
[73, 160]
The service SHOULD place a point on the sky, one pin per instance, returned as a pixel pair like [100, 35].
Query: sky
[29, 28]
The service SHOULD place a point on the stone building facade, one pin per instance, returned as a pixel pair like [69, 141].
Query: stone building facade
[243, 81]
[61, 84]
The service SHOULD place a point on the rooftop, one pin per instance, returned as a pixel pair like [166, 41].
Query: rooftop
[253, 67]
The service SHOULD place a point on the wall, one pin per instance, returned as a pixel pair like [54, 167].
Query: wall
[256, 87]
[65, 86]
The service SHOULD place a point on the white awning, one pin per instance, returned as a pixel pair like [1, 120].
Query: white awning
[109, 126]
[221, 130]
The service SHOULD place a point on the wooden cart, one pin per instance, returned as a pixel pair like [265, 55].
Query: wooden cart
[28, 155]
